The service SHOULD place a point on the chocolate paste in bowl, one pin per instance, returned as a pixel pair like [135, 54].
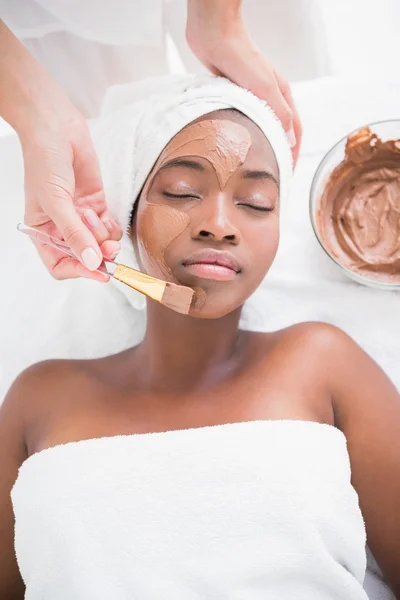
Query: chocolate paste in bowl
[358, 215]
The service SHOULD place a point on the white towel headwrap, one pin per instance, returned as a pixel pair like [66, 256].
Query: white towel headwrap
[138, 120]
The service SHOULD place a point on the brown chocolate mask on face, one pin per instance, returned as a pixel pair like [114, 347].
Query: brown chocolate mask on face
[225, 145]
[158, 226]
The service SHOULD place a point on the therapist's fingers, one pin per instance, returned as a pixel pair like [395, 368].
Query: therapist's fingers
[57, 263]
[64, 191]
[110, 249]
[114, 230]
[50, 195]
[77, 235]
[95, 225]
[82, 194]
[62, 267]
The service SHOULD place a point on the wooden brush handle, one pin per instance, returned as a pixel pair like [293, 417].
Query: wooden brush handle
[146, 284]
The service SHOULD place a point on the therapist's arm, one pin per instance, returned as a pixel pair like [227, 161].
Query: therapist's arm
[217, 36]
[62, 176]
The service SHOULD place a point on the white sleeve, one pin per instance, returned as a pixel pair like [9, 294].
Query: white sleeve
[116, 22]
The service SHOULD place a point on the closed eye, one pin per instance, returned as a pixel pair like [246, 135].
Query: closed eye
[256, 207]
[180, 196]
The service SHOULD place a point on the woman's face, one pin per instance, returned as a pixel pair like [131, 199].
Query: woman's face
[208, 215]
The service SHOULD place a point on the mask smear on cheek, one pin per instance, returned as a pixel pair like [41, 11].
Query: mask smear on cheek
[199, 299]
[158, 226]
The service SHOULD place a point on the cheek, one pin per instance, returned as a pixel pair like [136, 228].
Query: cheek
[269, 245]
[263, 243]
[157, 227]
[263, 256]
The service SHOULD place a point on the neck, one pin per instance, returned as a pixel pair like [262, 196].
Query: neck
[182, 352]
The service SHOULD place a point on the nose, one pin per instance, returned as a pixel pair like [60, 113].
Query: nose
[214, 222]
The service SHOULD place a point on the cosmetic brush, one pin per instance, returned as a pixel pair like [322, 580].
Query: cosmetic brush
[176, 297]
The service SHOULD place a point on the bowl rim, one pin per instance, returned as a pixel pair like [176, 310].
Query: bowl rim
[351, 274]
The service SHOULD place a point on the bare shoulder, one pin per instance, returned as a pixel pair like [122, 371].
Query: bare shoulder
[317, 335]
[298, 361]
[322, 342]
[40, 389]
[43, 376]
[347, 370]
[39, 374]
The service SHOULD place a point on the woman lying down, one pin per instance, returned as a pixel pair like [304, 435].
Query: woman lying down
[206, 462]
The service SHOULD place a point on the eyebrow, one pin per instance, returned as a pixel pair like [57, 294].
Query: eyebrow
[260, 175]
[183, 162]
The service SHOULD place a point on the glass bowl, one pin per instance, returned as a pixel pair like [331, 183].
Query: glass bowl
[386, 130]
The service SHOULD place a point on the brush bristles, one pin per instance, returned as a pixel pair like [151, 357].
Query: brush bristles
[177, 297]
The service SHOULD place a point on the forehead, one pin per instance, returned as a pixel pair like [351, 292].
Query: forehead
[260, 153]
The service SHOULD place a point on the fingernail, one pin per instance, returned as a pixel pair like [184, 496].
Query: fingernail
[114, 255]
[90, 259]
[92, 218]
[291, 136]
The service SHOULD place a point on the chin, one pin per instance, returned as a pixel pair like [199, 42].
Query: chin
[216, 299]
[215, 305]
[210, 313]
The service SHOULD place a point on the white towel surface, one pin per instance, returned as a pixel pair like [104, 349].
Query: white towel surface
[193, 514]
[138, 120]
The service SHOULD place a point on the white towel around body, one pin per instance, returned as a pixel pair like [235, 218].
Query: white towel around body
[259, 510]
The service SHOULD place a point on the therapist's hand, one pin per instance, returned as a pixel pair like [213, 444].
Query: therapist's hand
[63, 187]
[217, 36]
[65, 197]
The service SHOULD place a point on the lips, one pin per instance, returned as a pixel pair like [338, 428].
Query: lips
[213, 257]
[212, 264]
